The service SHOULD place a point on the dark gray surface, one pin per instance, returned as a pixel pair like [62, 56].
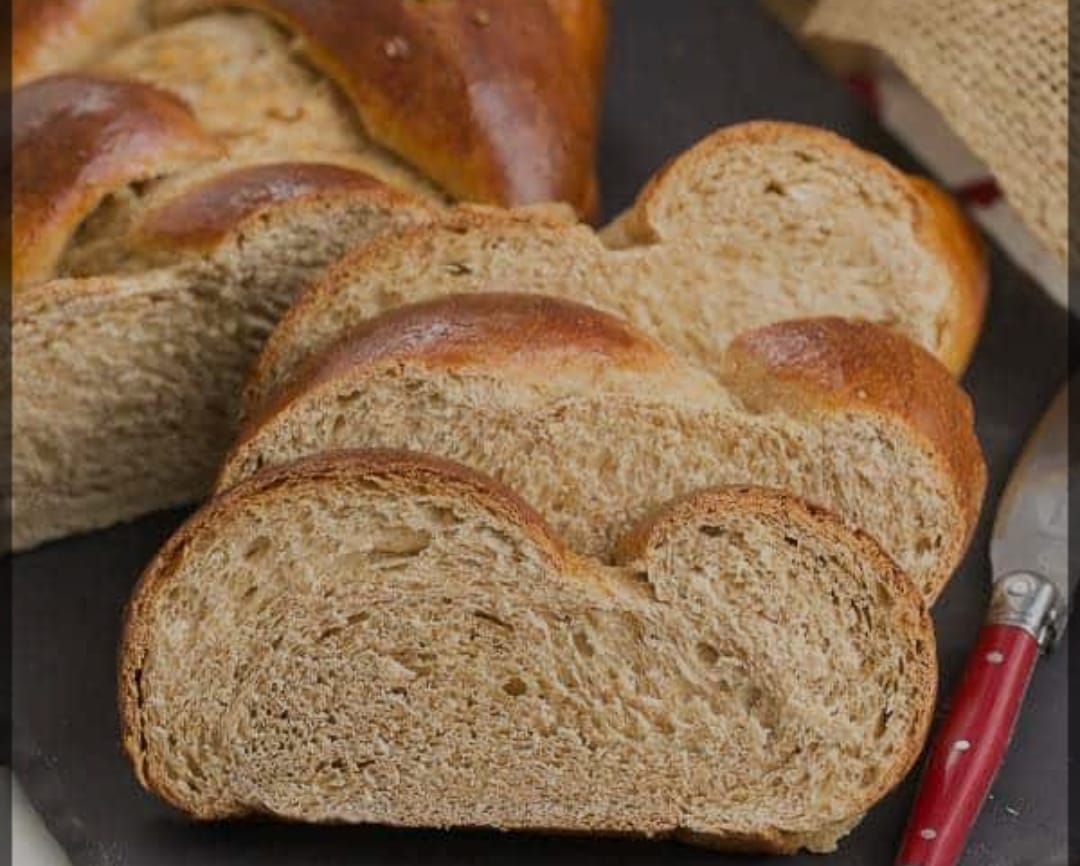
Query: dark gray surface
[678, 70]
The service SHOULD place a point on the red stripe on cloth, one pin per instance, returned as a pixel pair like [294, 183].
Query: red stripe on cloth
[980, 193]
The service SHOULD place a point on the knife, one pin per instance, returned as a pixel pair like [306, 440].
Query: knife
[1032, 586]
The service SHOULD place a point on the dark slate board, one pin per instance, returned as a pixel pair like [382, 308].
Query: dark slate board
[677, 70]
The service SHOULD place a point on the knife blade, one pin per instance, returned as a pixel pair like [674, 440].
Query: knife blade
[1033, 582]
[1030, 532]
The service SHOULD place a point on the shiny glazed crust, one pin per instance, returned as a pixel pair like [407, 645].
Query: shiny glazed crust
[202, 217]
[849, 364]
[495, 100]
[125, 132]
[48, 36]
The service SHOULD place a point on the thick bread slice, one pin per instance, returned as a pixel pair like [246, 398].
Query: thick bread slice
[379, 637]
[595, 424]
[126, 386]
[758, 223]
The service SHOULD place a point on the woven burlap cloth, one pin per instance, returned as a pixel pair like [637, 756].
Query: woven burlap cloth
[997, 70]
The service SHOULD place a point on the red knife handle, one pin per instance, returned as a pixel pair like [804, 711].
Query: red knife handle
[970, 746]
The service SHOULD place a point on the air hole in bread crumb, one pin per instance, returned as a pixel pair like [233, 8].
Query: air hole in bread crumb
[401, 541]
[458, 269]
[515, 687]
[774, 187]
[707, 653]
[791, 540]
[583, 644]
[494, 620]
[257, 548]
[712, 531]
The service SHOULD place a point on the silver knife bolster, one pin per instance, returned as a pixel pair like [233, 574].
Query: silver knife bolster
[1029, 601]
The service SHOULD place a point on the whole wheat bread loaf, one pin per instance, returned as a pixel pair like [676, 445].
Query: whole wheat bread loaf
[595, 424]
[380, 637]
[182, 168]
[758, 223]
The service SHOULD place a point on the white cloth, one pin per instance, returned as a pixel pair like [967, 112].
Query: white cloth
[31, 844]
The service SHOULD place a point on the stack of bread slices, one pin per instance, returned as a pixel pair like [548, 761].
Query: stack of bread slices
[533, 527]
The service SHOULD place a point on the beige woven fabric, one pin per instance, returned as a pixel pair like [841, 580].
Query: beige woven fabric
[997, 70]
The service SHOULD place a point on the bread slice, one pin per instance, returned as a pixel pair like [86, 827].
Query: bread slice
[595, 424]
[387, 638]
[758, 223]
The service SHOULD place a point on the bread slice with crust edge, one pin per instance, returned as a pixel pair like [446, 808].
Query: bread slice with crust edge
[125, 387]
[594, 423]
[432, 586]
[758, 223]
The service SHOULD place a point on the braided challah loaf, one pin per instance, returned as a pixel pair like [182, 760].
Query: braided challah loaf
[208, 159]
[203, 161]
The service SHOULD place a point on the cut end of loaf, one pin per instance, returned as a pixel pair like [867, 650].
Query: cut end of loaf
[339, 639]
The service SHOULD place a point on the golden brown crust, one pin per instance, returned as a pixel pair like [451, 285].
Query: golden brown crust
[913, 615]
[490, 329]
[944, 226]
[77, 138]
[492, 99]
[407, 471]
[201, 217]
[49, 36]
[586, 23]
[847, 364]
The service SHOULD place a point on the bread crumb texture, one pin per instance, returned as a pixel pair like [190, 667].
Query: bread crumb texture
[383, 637]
